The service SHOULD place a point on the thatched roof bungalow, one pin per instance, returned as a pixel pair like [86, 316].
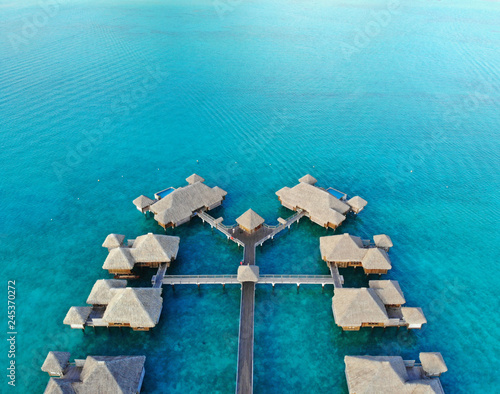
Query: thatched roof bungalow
[139, 308]
[321, 207]
[150, 250]
[56, 363]
[388, 375]
[100, 374]
[433, 363]
[101, 293]
[114, 304]
[346, 250]
[383, 241]
[250, 221]
[388, 291]
[376, 306]
[113, 241]
[248, 273]
[142, 203]
[181, 204]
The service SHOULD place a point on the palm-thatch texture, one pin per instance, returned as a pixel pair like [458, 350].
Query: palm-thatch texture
[101, 292]
[388, 375]
[142, 203]
[56, 363]
[146, 249]
[248, 273]
[433, 363]
[155, 248]
[357, 203]
[321, 207]
[137, 307]
[414, 317]
[353, 307]
[346, 248]
[77, 315]
[383, 241]
[102, 374]
[388, 291]
[308, 179]
[250, 220]
[119, 259]
[113, 241]
[179, 206]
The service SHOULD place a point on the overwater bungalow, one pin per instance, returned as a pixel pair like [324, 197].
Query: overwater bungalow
[95, 374]
[392, 375]
[383, 241]
[250, 221]
[326, 207]
[113, 241]
[150, 250]
[376, 306]
[346, 250]
[115, 305]
[178, 206]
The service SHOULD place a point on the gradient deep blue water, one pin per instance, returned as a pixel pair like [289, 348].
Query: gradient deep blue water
[108, 100]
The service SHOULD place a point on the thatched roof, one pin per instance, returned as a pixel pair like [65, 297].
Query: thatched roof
[101, 291]
[139, 307]
[383, 241]
[308, 179]
[351, 307]
[100, 374]
[413, 315]
[384, 374]
[179, 205]
[357, 202]
[59, 386]
[194, 178]
[433, 363]
[250, 220]
[323, 208]
[248, 273]
[113, 241]
[119, 259]
[376, 259]
[388, 291]
[142, 202]
[77, 315]
[56, 363]
[155, 248]
[342, 248]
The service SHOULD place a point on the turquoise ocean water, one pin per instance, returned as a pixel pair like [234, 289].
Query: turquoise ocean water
[103, 101]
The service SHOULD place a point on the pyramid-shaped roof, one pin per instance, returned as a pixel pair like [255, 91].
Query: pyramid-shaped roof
[308, 179]
[250, 220]
[56, 363]
[194, 178]
[101, 291]
[142, 202]
[155, 248]
[77, 315]
[119, 258]
[139, 307]
[352, 307]
[388, 291]
[376, 259]
[113, 241]
[342, 248]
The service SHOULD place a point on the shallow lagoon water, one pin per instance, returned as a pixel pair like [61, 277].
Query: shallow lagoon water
[252, 99]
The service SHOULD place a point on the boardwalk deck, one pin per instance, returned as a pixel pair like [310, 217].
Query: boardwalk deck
[244, 377]
[263, 279]
[338, 280]
[157, 279]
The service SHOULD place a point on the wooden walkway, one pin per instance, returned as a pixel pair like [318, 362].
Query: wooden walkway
[263, 279]
[338, 280]
[157, 279]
